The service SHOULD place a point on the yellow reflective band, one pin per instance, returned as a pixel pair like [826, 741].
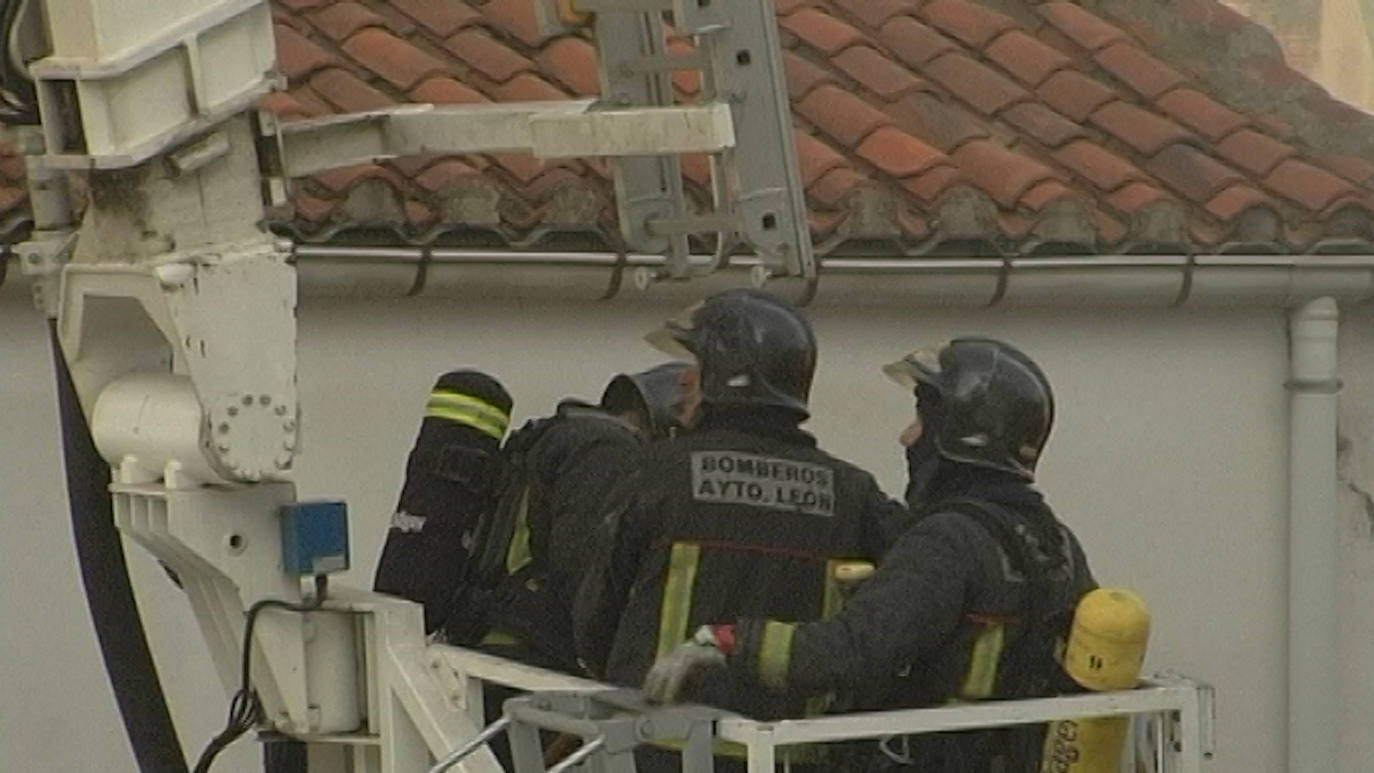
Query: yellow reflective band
[775, 653]
[832, 601]
[499, 639]
[469, 410]
[518, 553]
[677, 596]
[982, 666]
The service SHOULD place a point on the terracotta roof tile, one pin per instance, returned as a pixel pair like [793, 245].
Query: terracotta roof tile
[1256, 153]
[572, 61]
[930, 186]
[417, 212]
[1080, 25]
[875, 13]
[279, 103]
[1276, 126]
[1027, 59]
[1194, 174]
[1043, 124]
[443, 175]
[549, 183]
[899, 154]
[297, 55]
[515, 17]
[832, 188]
[1097, 165]
[1135, 197]
[1144, 131]
[341, 20]
[1309, 186]
[971, 23]
[1002, 173]
[398, 61]
[1353, 168]
[815, 158]
[787, 7]
[315, 210]
[301, 5]
[975, 83]
[802, 75]
[522, 166]
[1109, 229]
[1235, 201]
[345, 177]
[396, 21]
[877, 73]
[1045, 193]
[821, 30]
[687, 82]
[311, 101]
[441, 18]
[913, 226]
[445, 90]
[842, 115]
[344, 91]
[944, 125]
[1146, 75]
[913, 42]
[1201, 113]
[526, 87]
[489, 56]
[1074, 94]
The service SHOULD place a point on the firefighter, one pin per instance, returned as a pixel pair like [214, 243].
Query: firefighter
[451, 474]
[744, 516]
[560, 474]
[973, 600]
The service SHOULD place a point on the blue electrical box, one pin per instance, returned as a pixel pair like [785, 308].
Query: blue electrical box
[314, 537]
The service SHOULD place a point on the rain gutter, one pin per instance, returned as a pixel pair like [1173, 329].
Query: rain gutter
[1164, 281]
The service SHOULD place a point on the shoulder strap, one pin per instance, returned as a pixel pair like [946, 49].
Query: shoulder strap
[1051, 594]
[499, 525]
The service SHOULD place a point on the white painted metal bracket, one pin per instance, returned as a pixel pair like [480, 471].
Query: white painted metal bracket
[169, 318]
[547, 129]
[126, 81]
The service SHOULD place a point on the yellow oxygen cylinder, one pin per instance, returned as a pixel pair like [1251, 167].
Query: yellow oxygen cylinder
[1105, 651]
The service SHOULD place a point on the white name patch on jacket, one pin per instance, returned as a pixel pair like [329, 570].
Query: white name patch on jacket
[732, 477]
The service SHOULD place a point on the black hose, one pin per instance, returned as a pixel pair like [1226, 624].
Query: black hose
[109, 595]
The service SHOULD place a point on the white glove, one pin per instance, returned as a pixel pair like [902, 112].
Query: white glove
[700, 653]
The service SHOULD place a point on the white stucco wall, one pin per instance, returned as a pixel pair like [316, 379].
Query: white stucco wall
[1168, 460]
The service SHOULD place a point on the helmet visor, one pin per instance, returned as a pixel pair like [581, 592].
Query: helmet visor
[674, 337]
[922, 365]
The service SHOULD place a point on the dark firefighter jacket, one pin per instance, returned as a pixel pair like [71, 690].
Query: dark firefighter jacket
[742, 517]
[574, 464]
[944, 618]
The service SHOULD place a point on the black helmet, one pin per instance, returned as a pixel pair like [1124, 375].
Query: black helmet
[753, 349]
[657, 391]
[996, 407]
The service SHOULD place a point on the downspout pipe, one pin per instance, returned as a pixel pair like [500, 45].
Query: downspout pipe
[1314, 538]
